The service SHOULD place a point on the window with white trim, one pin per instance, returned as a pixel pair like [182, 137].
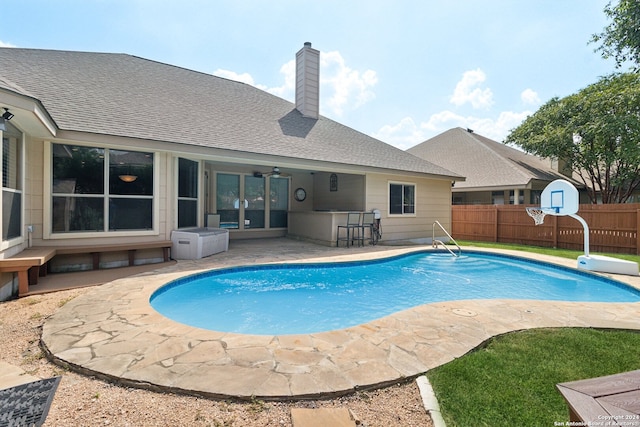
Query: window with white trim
[402, 199]
[187, 193]
[11, 182]
[97, 189]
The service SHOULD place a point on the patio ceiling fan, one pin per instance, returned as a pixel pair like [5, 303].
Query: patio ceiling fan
[275, 172]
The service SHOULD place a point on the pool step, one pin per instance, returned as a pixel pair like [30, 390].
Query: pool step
[321, 417]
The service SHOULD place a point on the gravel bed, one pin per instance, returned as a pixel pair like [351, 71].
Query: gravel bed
[85, 401]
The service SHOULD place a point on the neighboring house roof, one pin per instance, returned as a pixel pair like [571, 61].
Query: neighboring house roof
[128, 96]
[485, 163]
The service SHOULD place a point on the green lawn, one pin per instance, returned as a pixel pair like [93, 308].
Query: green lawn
[511, 381]
[563, 253]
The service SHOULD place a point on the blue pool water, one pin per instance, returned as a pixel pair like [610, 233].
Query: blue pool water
[295, 298]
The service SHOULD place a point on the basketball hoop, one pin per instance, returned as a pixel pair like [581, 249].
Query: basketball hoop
[538, 214]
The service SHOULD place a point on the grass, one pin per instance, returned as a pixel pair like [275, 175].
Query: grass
[511, 380]
[563, 253]
[63, 301]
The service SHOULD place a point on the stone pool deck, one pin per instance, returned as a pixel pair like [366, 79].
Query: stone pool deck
[113, 333]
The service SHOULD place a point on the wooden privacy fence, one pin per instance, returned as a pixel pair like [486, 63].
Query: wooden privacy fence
[612, 228]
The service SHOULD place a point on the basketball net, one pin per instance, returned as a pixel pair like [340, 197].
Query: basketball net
[538, 214]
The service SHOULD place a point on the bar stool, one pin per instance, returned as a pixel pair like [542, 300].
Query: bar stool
[367, 224]
[352, 227]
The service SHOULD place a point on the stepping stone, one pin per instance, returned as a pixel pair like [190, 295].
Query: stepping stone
[11, 376]
[321, 417]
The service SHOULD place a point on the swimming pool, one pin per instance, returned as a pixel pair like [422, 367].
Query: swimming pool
[279, 299]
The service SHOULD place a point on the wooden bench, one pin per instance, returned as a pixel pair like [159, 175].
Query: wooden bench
[131, 248]
[32, 262]
[29, 264]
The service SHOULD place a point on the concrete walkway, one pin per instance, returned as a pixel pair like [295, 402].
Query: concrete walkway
[112, 332]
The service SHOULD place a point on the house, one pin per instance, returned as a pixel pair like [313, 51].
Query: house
[495, 173]
[114, 149]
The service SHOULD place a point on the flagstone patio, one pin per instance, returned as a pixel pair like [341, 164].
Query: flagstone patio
[113, 333]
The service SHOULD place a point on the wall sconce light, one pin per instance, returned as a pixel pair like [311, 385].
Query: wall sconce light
[7, 115]
[127, 178]
[333, 182]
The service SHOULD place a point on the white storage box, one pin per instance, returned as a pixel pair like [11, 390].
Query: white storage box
[196, 243]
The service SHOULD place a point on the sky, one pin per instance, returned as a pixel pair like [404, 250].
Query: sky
[402, 71]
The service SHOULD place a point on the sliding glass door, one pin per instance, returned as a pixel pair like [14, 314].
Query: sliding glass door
[254, 199]
[228, 200]
[278, 202]
[249, 202]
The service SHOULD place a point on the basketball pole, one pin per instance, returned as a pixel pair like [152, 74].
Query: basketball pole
[586, 232]
[562, 199]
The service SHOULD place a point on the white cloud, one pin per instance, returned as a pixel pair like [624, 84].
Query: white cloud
[402, 135]
[348, 88]
[499, 129]
[287, 90]
[530, 97]
[232, 75]
[467, 92]
[4, 44]
[341, 87]
[407, 133]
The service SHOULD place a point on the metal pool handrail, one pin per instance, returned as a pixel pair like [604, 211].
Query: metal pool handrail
[436, 242]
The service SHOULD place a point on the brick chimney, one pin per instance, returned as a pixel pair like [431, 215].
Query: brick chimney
[308, 81]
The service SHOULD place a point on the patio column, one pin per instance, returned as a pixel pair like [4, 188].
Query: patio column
[516, 196]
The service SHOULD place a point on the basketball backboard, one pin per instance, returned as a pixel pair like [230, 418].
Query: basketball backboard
[561, 197]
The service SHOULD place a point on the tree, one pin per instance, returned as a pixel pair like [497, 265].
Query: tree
[595, 131]
[621, 38]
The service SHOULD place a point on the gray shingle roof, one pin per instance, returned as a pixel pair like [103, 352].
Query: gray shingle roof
[124, 95]
[484, 162]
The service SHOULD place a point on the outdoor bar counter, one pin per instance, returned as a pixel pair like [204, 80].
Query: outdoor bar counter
[316, 226]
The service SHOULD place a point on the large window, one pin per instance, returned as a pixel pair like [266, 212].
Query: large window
[187, 193]
[99, 189]
[402, 199]
[497, 197]
[11, 182]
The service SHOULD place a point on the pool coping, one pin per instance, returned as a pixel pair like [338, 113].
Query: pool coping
[112, 332]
